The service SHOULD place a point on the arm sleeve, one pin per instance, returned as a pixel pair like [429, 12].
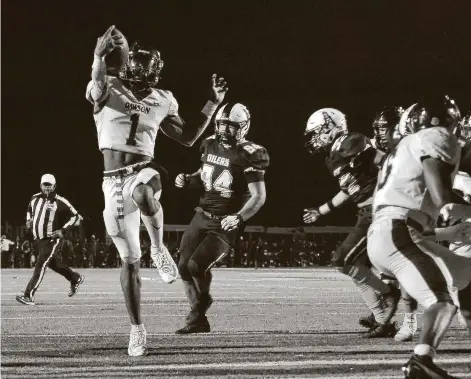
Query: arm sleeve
[104, 91]
[258, 161]
[74, 218]
[440, 144]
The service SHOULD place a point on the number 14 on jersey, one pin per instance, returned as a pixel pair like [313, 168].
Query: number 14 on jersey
[222, 183]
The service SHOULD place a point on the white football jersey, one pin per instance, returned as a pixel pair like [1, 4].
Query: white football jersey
[462, 182]
[401, 181]
[125, 124]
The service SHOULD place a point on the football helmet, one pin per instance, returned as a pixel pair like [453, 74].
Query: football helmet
[322, 128]
[435, 111]
[232, 122]
[143, 67]
[384, 125]
[465, 129]
[48, 184]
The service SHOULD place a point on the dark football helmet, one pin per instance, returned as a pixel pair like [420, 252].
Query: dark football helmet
[232, 122]
[435, 111]
[143, 67]
[384, 125]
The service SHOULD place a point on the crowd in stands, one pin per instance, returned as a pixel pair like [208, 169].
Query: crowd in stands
[295, 249]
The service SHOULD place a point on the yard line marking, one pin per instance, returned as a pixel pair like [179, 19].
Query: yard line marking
[242, 365]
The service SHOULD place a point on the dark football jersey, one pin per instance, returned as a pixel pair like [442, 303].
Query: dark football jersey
[353, 162]
[226, 173]
[465, 161]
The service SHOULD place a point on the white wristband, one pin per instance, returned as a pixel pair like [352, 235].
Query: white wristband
[209, 108]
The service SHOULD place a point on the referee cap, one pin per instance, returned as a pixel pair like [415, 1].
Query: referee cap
[48, 178]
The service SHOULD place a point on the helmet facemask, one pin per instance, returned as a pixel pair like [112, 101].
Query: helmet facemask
[323, 127]
[142, 70]
[231, 124]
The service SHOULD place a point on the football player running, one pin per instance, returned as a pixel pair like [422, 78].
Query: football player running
[354, 162]
[128, 113]
[414, 187]
[386, 136]
[232, 177]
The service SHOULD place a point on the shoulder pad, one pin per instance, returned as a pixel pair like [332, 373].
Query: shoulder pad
[351, 144]
[256, 155]
[439, 143]
[206, 142]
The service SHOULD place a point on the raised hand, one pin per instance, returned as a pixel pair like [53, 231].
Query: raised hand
[108, 42]
[219, 89]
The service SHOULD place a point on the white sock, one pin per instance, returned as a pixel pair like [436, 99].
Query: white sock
[424, 349]
[137, 328]
[155, 227]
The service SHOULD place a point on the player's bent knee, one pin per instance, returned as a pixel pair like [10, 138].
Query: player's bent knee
[130, 260]
[143, 195]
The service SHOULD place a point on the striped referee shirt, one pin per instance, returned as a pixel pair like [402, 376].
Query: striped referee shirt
[50, 213]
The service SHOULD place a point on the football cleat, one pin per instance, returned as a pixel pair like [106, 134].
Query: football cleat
[419, 367]
[137, 342]
[25, 300]
[407, 330]
[74, 286]
[164, 262]
[199, 327]
[368, 322]
[383, 331]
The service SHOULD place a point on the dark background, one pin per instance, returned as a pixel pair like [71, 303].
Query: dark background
[283, 60]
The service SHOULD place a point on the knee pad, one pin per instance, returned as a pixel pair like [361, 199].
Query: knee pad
[184, 271]
[130, 259]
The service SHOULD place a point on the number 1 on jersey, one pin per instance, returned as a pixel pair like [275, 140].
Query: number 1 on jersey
[132, 132]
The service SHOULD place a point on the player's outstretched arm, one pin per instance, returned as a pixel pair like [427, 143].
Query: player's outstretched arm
[311, 215]
[96, 89]
[187, 133]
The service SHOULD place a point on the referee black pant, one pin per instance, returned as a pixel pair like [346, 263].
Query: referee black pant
[48, 248]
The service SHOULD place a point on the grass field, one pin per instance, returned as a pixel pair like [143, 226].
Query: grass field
[281, 323]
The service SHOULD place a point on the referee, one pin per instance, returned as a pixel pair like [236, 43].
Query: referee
[49, 217]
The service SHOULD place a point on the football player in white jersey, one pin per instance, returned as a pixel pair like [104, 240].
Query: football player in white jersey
[129, 111]
[414, 187]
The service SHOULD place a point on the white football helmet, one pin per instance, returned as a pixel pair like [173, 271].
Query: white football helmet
[233, 115]
[405, 126]
[323, 127]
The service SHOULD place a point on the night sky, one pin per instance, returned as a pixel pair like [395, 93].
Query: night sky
[283, 60]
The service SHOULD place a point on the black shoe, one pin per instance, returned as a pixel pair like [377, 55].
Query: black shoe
[200, 327]
[74, 286]
[368, 322]
[25, 300]
[383, 331]
[421, 366]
